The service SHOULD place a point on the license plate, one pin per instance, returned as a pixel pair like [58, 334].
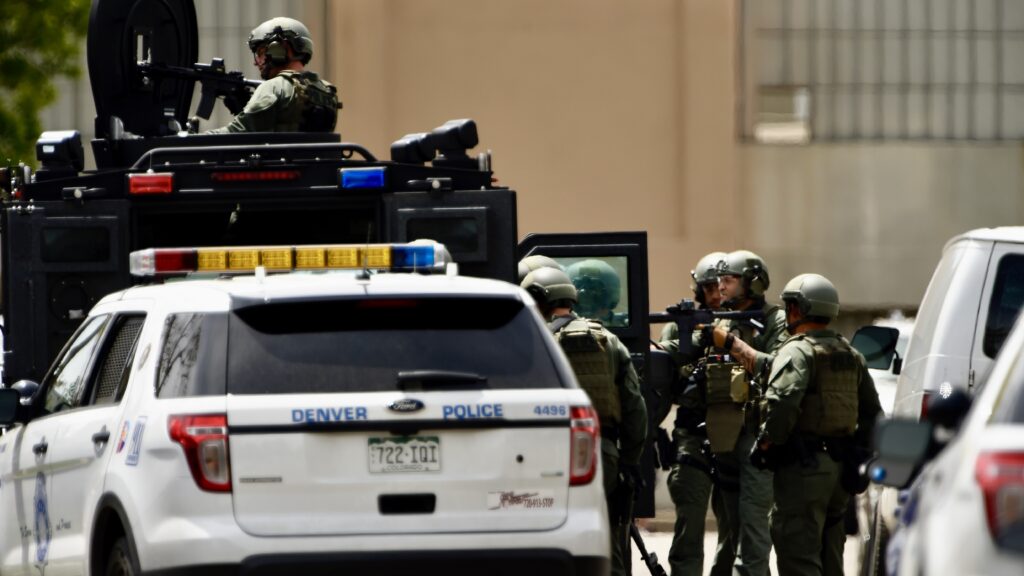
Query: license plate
[405, 454]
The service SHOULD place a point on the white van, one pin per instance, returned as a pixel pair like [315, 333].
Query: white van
[967, 312]
[970, 305]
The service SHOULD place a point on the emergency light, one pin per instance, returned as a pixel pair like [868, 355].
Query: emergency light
[419, 256]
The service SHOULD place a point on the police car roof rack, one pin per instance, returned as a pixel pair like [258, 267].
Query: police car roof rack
[221, 154]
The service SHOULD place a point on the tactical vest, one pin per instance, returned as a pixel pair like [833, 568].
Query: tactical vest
[829, 407]
[726, 391]
[586, 345]
[314, 108]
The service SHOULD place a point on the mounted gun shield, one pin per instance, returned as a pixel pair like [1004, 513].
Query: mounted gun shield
[123, 33]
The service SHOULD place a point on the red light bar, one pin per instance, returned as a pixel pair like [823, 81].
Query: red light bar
[255, 175]
[151, 183]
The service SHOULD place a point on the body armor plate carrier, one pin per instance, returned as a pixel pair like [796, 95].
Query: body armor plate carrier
[586, 345]
[829, 407]
[316, 103]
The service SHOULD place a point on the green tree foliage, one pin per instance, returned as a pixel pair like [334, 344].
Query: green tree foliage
[39, 40]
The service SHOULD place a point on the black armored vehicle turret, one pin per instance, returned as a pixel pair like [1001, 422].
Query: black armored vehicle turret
[67, 232]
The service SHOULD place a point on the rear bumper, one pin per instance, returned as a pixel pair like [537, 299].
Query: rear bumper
[537, 562]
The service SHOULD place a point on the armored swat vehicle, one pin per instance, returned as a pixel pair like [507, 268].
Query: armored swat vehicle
[67, 232]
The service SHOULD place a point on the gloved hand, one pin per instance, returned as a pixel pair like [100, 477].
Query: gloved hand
[759, 458]
[630, 474]
[722, 339]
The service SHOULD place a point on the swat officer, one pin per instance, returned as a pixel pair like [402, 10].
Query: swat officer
[292, 99]
[819, 395]
[535, 261]
[604, 370]
[599, 289]
[733, 407]
[690, 480]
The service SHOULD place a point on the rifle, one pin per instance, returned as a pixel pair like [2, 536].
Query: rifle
[215, 80]
[687, 317]
[650, 558]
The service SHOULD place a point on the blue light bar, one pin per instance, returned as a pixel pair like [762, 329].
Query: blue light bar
[412, 257]
[352, 178]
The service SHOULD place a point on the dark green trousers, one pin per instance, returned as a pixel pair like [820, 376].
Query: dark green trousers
[806, 520]
[690, 487]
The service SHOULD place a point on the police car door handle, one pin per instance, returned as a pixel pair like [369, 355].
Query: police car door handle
[40, 449]
[101, 437]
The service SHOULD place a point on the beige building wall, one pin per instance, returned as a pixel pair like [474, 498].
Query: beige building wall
[610, 115]
[586, 104]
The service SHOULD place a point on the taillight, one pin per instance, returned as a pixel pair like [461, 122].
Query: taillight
[925, 397]
[204, 437]
[1001, 478]
[583, 445]
[151, 183]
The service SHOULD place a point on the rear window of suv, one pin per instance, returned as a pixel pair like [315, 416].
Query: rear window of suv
[370, 345]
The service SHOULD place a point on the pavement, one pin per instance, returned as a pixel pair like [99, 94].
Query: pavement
[657, 535]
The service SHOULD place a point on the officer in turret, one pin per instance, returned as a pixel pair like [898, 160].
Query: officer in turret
[605, 371]
[820, 395]
[291, 98]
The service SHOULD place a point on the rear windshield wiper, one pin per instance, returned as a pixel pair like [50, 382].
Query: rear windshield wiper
[414, 380]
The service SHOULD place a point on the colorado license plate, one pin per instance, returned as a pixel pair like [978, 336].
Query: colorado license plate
[405, 454]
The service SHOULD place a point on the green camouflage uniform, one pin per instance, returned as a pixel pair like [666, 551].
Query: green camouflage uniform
[807, 430]
[289, 102]
[622, 442]
[689, 482]
[745, 519]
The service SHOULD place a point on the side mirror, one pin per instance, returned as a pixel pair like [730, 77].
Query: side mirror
[10, 400]
[903, 447]
[878, 345]
[26, 390]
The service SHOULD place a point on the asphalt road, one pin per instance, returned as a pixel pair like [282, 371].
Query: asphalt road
[659, 543]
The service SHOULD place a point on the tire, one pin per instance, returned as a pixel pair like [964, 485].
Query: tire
[121, 561]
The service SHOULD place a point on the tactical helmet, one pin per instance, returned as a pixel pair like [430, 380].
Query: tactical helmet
[531, 263]
[706, 271]
[750, 268]
[597, 283]
[549, 286]
[814, 295]
[275, 32]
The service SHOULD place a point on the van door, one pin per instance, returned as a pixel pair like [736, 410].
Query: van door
[623, 309]
[1002, 299]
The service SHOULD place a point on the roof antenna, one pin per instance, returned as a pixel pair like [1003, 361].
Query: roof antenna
[364, 274]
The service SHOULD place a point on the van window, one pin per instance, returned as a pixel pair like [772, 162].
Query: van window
[1006, 302]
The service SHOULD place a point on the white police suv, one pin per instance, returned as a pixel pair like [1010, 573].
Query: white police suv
[304, 423]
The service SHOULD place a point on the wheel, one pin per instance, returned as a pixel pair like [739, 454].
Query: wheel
[120, 561]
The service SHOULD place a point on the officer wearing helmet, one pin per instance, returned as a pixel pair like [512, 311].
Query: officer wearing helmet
[599, 290]
[820, 399]
[690, 481]
[291, 98]
[605, 371]
[535, 261]
[734, 398]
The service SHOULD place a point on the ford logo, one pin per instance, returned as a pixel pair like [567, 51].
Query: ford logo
[405, 405]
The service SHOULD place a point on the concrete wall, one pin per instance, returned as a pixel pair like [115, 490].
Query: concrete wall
[874, 217]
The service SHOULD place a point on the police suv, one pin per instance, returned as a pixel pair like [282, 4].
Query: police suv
[305, 422]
